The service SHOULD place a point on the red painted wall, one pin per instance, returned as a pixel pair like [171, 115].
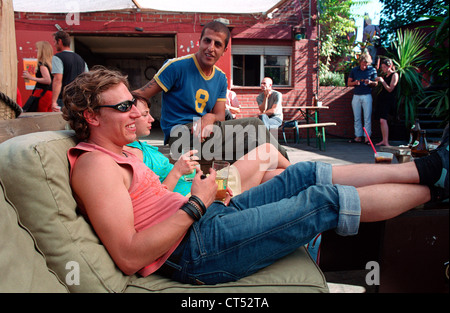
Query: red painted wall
[26, 48]
[339, 99]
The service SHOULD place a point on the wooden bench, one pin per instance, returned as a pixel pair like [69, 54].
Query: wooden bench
[311, 125]
[320, 132]
[319, 127]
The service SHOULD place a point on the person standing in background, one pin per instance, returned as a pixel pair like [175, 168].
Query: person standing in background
[386, 99]
[66, 65]
[362, 78]
[42, 92]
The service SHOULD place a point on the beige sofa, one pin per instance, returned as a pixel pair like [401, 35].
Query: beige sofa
[47, 246]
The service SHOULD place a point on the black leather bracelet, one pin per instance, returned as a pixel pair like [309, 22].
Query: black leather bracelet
[196, 207]
[199, 202]
[191, 211]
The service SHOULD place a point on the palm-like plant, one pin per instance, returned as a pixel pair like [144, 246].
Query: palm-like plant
[438, 99]
[437, 95]
[408, 54]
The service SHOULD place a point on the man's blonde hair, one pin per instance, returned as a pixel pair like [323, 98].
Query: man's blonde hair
[85, 93]
[366, 58]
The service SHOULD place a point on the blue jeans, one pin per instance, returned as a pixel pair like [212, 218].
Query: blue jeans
[265, 224]
[271, 122]
[363, 102]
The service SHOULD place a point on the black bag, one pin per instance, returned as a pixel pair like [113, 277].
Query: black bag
[32, 104]
[33, 101]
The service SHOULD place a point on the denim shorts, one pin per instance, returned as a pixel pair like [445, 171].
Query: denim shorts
[264, 224]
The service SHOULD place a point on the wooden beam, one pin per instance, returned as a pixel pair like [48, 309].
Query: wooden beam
[8, 52]
[31, 123]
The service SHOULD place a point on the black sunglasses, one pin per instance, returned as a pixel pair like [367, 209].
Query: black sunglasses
[123, 106]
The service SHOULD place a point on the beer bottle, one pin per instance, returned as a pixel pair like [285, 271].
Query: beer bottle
[414, 133]
[420, 146]
[315, 100]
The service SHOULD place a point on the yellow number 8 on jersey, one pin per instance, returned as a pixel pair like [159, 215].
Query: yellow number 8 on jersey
[201, 97]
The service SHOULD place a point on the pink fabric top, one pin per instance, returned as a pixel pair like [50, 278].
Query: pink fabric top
[152, 201]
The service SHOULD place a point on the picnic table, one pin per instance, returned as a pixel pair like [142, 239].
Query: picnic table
[308, 118]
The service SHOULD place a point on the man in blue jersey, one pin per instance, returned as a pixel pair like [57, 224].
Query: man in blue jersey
[194, 98]
[362, 78]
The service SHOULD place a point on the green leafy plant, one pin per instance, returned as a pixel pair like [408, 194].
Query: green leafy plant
[437, 94]
[336, 27]
[397, 13]
[438, 99]
[331, 79]
[352, 59]
[408, 54]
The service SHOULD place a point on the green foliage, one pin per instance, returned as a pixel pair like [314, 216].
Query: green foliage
[352, 59]
[331, 79]
[336, 27]
[397, 13]
[408, 54]
[436, 95]
[438, 99]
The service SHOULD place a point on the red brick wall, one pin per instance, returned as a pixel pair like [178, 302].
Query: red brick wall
[339, 99]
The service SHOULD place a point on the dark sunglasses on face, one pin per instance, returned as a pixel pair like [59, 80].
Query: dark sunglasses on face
[123, 106]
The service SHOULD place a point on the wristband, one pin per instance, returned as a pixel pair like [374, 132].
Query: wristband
[195, 210]
[191, 211]
[195, 207]
[199, 202]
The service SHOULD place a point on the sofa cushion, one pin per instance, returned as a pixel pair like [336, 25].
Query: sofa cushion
[22, 265]
[296, 272]
[35, 171]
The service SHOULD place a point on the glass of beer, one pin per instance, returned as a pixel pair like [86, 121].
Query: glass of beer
[384, 157]
[222, 169]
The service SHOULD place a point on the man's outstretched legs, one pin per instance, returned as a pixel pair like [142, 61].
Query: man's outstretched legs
[431, 171]
[385, 201]
[386, 191]
[359, 175]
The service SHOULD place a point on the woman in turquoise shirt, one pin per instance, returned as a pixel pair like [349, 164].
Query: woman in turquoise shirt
[161, 166]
